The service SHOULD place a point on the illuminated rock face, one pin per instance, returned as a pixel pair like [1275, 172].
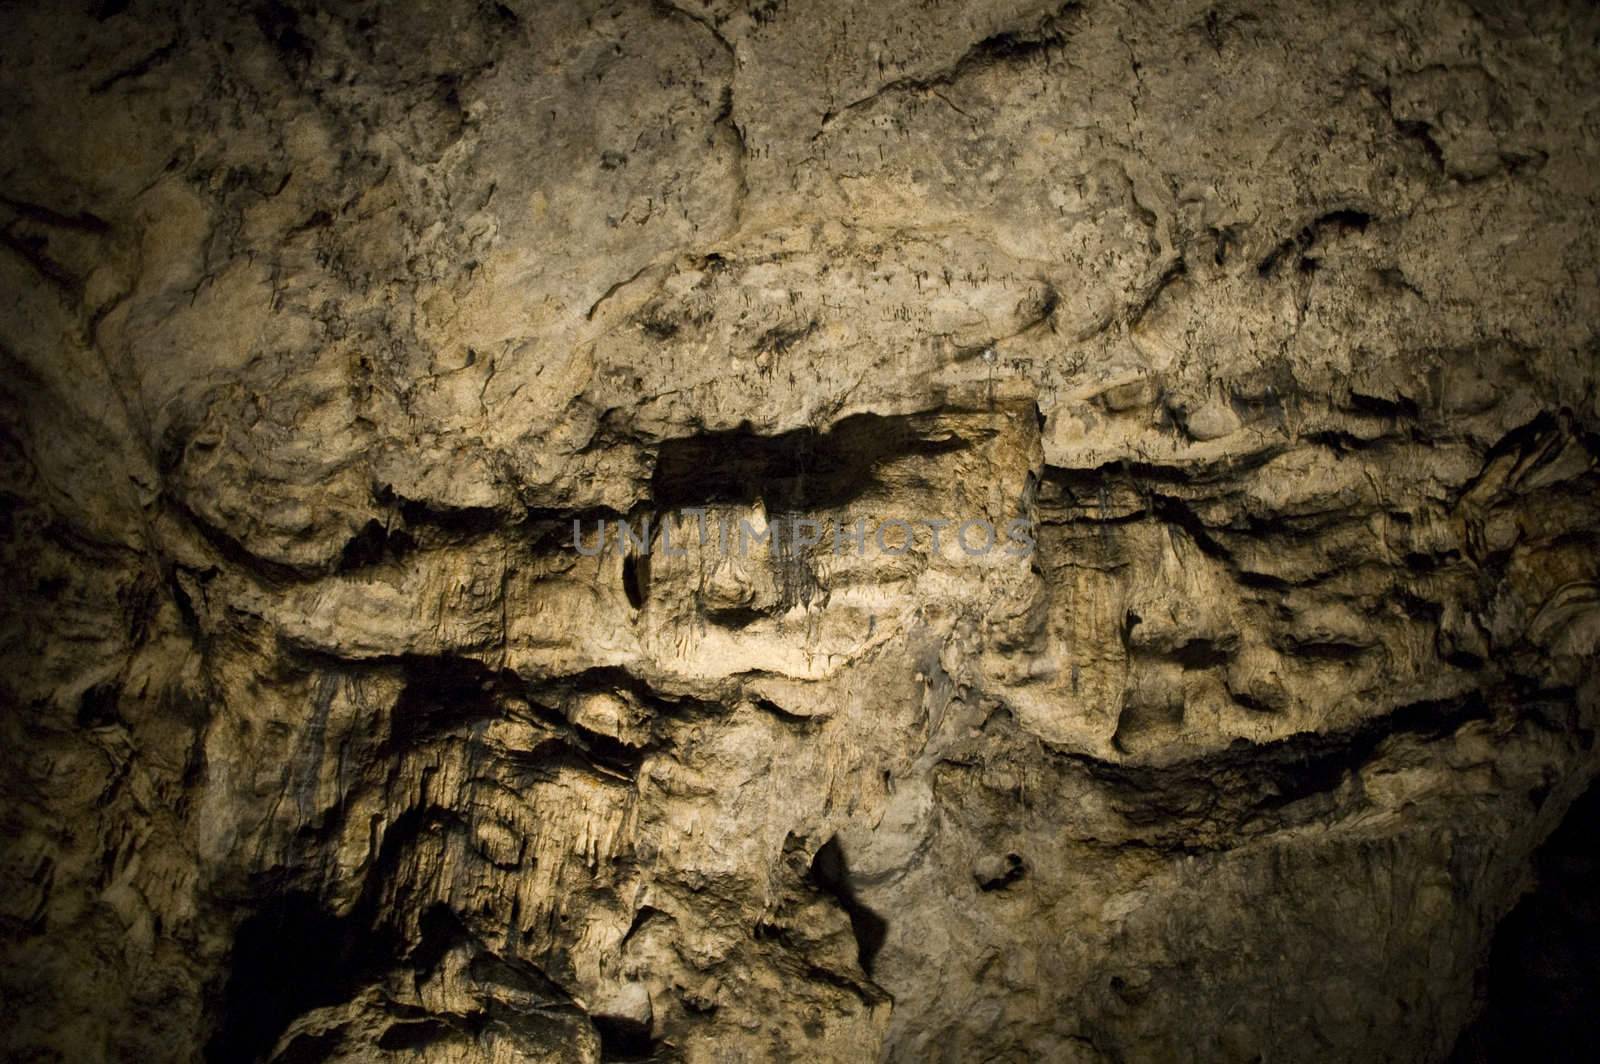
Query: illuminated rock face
[1257, 349]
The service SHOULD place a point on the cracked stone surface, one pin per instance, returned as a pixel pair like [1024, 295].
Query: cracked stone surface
[1274, 325]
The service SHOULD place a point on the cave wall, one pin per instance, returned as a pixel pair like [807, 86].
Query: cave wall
[1270, 328]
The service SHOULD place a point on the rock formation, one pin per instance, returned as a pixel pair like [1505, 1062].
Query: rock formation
[1255, 345]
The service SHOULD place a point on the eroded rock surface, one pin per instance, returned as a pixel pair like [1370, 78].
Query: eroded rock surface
[1275, 325]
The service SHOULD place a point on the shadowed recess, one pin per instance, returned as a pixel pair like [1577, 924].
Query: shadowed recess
[799, 471]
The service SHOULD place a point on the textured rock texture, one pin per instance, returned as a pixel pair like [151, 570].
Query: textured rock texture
[1276, 324]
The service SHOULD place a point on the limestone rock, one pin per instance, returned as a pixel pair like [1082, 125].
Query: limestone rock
[1133, 587]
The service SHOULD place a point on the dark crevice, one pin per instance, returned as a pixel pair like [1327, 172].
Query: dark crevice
[1343, 219]
[83, 221]
[802, 471]
[1325, 650]
[289, 957]
[1250, 702]
[1133, 472]
[233, 551]
[1272, 775]
[643, 916]
[449, 697]
[609, 752]
[1130, 621]
[516, 975]
[1176, 512]
[1341, 442]
[280, 25]
[465, 521]
[1260, 581]
[373, 545]
[1541, 984]
[1523, 441]
[441, 695]
[97, 708]
[735, 616]
[1203, 654]
[1422, 133]
[1011, 869]
[636, 578]
[138, 69]
[1208, 802]
[769, 706]
[31, 250]
[310, 1048]
[438, 929]
[1010, 47]
[1014, 47]
[292, 955]
[831, 874]
[622, 1038]
[1269, 264]
[1377, 406]
[1340, 221]
[1152, 296]
[612, 679]
[183, 603]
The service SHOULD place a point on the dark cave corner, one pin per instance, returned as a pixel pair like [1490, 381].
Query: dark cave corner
[289, 957]
[624, 1039]
[830, 873]
[1540, 991]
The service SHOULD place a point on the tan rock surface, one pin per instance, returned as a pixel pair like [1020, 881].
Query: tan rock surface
[1274, 326]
